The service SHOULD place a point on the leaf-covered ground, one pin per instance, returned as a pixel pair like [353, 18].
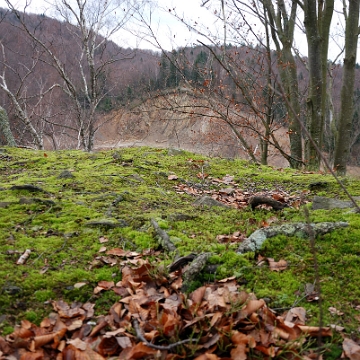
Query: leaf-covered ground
[76, 212]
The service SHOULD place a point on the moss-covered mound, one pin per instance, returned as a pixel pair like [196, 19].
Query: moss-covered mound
[69, 208]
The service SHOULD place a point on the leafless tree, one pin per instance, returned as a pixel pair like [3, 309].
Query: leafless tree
[23, 98]
[91, 25]
[344, 132]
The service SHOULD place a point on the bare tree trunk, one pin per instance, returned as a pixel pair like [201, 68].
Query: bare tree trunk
[5, 128]
[282, 26]
[289, 80]
[343, 137]
[317, 22]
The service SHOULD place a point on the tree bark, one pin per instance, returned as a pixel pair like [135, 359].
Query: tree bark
[5, 128]
[343, 135]
[317, 22]
[282, 27]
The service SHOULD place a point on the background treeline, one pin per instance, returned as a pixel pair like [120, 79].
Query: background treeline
[143, 75]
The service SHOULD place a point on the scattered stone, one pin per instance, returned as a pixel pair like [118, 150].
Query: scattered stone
[82, 203]
[257, 238]
[175, 152]
[209, 201]
[4, 205]
[107, 223]
[66, 174]
[137, 177]
[321, 202]
[71, 234]
[117, 200]
[161, 173]
[12, 289]
[23, 201]
[116, 155]
[181, 217]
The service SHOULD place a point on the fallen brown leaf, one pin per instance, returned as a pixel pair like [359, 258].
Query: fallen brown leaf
[351, 349]
[277, 266]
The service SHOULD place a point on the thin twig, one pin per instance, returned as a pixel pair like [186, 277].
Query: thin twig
[317, 276]
[141, 337]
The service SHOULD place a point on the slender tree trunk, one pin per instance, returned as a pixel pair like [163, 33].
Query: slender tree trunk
[317, 21]
[5, 128]
[290, 82]
[282, 24]
[343, 137]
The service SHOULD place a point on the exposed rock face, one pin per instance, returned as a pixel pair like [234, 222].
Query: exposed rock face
[257, 238]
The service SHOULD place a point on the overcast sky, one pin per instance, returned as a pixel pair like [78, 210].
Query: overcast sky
[171, 33]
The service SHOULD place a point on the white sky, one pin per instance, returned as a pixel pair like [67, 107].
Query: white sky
[171, 33]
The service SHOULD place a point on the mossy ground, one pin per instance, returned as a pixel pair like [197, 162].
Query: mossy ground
[131, 186]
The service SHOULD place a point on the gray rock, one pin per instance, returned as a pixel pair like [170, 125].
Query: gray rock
[209, 201]
[174, 152]
[321, 202]
[111, 224]
[181, 217]
[12, 289]
[137, 177]
[66, 174]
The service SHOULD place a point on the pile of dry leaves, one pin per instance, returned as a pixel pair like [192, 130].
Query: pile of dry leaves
[153, 319]
[231, 195]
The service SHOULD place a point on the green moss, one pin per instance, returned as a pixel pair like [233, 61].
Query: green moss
[32, 316]
[6, 330]
[64, 251]
[44, 295]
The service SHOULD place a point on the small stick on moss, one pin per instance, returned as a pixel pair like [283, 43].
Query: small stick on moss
[22, 259]
[141, 337]
[165, 241]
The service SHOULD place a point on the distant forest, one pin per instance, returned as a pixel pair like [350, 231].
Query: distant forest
[142, 75]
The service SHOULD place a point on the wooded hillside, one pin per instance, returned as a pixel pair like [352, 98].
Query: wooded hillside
[135, 85]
